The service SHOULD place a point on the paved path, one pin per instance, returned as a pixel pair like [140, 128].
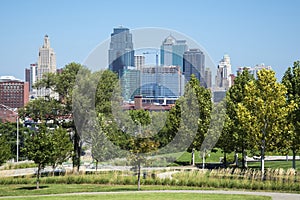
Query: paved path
[165, 175]
[274, 195]
[273, 158]
[17, 172]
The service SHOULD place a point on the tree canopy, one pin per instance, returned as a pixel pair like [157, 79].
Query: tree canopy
[263, 113]
[291, 80]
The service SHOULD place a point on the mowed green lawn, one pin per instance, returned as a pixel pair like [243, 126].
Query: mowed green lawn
[215, 158]
[28, 192]
[275, 164]
[149, 196]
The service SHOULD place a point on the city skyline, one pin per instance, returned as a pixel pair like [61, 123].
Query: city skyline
[250, 32]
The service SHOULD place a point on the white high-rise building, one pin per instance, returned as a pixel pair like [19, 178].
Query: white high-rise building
[223, 77]
[254, 70]
[46, 64]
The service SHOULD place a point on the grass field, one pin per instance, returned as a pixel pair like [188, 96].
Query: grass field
[148, 196]
[24, 189]
[29, 192]
[214, 157]
[275, 164]
[50, 189]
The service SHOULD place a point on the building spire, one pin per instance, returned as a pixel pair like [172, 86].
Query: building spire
[46, 42]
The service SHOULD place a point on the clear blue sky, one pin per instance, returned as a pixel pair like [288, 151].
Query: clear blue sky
[251, 32]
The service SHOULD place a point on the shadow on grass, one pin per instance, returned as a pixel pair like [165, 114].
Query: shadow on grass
[31, 188]
[121, 189]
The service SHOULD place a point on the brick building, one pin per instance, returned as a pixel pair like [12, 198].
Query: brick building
[14, 93]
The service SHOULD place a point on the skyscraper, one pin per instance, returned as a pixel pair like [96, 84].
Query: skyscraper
[208, 77]
[223, 77]
[121, 53]
[46, 64]
[172, 51]
[193, 63]
[139, 61]
[31, 75]
[27, 77]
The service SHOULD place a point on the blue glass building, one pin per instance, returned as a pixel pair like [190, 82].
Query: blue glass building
[121, 53]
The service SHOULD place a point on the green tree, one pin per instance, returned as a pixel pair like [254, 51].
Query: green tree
[171, 127]
[199, 98]
[5, 152]
[9, 131]
[108, 91]
[38, 147]
[105, 137]
[47, 82]
[103, 144]
[291, 80]
[263, 114]
[83, 110]
[142, 143]
[233, 137]
[65, 84]
[41, 110]
[61, 147]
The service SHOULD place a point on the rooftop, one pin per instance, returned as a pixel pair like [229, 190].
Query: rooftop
[9, 78]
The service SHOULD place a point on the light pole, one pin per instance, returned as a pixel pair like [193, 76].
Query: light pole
[203, 159]
[17, 137]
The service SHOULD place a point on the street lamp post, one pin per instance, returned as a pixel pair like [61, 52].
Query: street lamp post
[17, 137]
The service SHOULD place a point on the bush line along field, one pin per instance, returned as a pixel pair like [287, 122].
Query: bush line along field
[276, 180]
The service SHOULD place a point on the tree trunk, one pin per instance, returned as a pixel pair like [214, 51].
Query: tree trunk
[236, 159]
[203, 160]
[263, 146]
[77, 152]
[193, 157]
[38, 177]
[263, 160]
[53, 169]
[139, 175]
[225, 159]
[294, 159]
[96, 165]
[243, 157]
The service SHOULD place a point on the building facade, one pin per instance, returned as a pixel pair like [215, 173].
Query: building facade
[120, 53]
[171, 52]
[139, 61]
[254, 70]
[224, 75]
[14, 93]
[163, 81]
[194, 63]
[46, 64]
[31, 77]
[130, 83]
[208, 78]
[27, 77]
